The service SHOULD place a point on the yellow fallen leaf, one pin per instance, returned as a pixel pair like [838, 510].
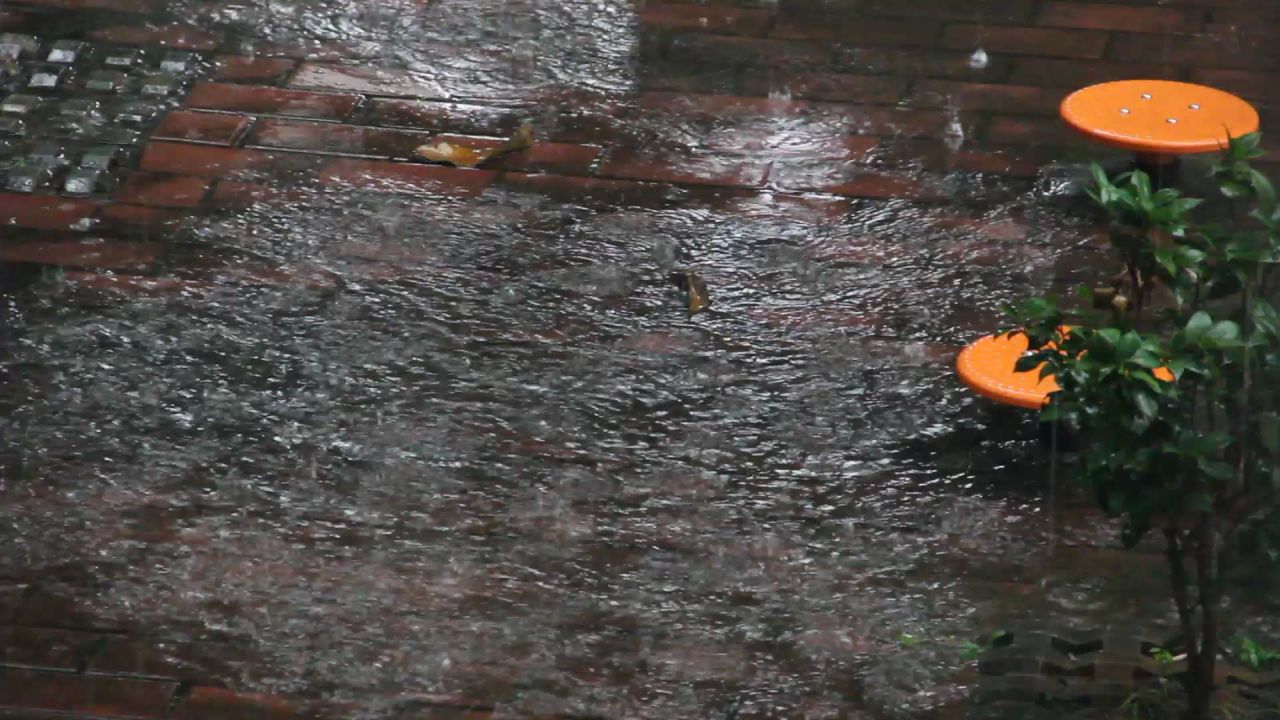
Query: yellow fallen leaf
[459, 155]
[694, 289]
[463, 156]
[521, 139]
[698, 297]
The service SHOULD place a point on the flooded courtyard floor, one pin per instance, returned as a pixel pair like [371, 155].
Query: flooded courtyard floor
[293, 424]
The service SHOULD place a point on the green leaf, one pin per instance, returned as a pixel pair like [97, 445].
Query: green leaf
[1223, 334]
[1146, 404]
[1269, 431]
[1127, 345]
[1198, 325]
[1265, 318]
[1142, 184]
[1214, 469]
[1051, 412]
[1234, 189]
[1189, 256]
[1186, 205]
[1265, 191]
[1145, 358]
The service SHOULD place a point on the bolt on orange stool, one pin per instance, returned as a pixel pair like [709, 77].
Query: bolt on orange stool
[1158, 120]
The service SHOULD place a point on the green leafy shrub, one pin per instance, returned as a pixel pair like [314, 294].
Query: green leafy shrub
[1177, 401]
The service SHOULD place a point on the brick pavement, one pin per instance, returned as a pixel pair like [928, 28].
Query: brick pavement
[875, 83]
[890, 77]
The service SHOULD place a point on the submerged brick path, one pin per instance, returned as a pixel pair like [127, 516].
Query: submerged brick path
[893, 77]
[886, 80]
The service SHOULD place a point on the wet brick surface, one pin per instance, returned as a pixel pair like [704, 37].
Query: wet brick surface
[887, 94]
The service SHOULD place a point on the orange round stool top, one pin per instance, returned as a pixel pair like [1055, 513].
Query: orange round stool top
[986, 366]
[1159, 117]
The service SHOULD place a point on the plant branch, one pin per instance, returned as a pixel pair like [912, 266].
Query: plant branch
[1207, 575]
[1175, 551]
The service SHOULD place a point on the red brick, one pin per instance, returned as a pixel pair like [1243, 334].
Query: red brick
[310, 276]
[43, 212]
[1100, 16]
[243, 68]
[184, 37]
[160, 190]
[133, 285]
[136, 220]
[459, 118]
[201, 663]
[271, 101]
[839, 87]
[982, 96]
[950, 64]
[861, 30]
[405, 177]
[590, 192]
[1075, 74]
[1200, 51]
[867, 183]
[233, 194]
[1247, 27]
[714, 107]
[1051, 42]
[674, 166]
[11, 594]
[1251, 84]
[983, 11]
[830, 165]
[223, 704]
[365, 79]
[218, 162]
[550, 157]
[121, 6]
[336, 139]
[65, 692]
[202, 127]
[1019, 130]
[883, 120]
[726, 52]
[935, 156]
[302, 48]
[12, 20]
[90, 253]
[42, 647]
[708, 18]
[591, 121]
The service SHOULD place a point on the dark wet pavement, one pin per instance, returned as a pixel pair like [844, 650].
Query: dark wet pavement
[301, 418]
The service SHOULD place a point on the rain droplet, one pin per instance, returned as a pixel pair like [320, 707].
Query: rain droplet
[953, 136]
[979, 60]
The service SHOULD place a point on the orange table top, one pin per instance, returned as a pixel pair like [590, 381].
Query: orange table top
[1160, 117]
[986, 366]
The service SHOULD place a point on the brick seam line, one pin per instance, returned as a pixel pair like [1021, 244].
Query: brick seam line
[241, 113]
